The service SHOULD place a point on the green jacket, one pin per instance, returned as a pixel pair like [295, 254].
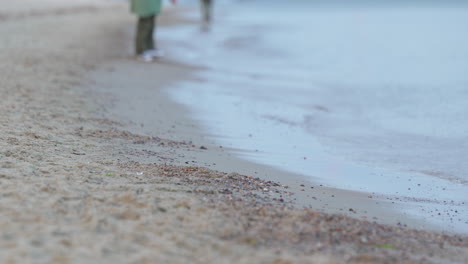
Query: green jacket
[145, 8]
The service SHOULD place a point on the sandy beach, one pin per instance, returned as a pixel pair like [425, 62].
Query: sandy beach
[86, 178]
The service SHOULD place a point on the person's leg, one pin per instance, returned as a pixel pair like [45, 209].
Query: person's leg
[144, 35]
[139, 37]
[150, 33]
[206, 10]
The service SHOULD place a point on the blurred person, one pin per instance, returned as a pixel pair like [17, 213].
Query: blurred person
[207, 9]
[147, 11]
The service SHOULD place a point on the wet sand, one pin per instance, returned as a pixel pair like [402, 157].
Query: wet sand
[308, 108]
[146, 109]
[79, 186]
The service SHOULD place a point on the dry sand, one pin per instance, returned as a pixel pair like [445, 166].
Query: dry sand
[79, 188]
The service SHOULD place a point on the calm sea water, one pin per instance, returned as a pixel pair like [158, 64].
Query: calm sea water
[367, 98]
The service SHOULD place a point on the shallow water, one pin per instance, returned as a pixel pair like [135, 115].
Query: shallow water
[364, 98]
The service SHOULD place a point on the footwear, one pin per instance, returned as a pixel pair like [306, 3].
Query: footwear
[144, 57]
[205, 27]
[155, 53]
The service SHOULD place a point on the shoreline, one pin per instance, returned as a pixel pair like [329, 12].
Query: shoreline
[131, 105]
[172, 121]
[72, 191]
[233, 104]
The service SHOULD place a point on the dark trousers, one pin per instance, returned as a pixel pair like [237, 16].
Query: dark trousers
[144, 36]
[206, 10]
